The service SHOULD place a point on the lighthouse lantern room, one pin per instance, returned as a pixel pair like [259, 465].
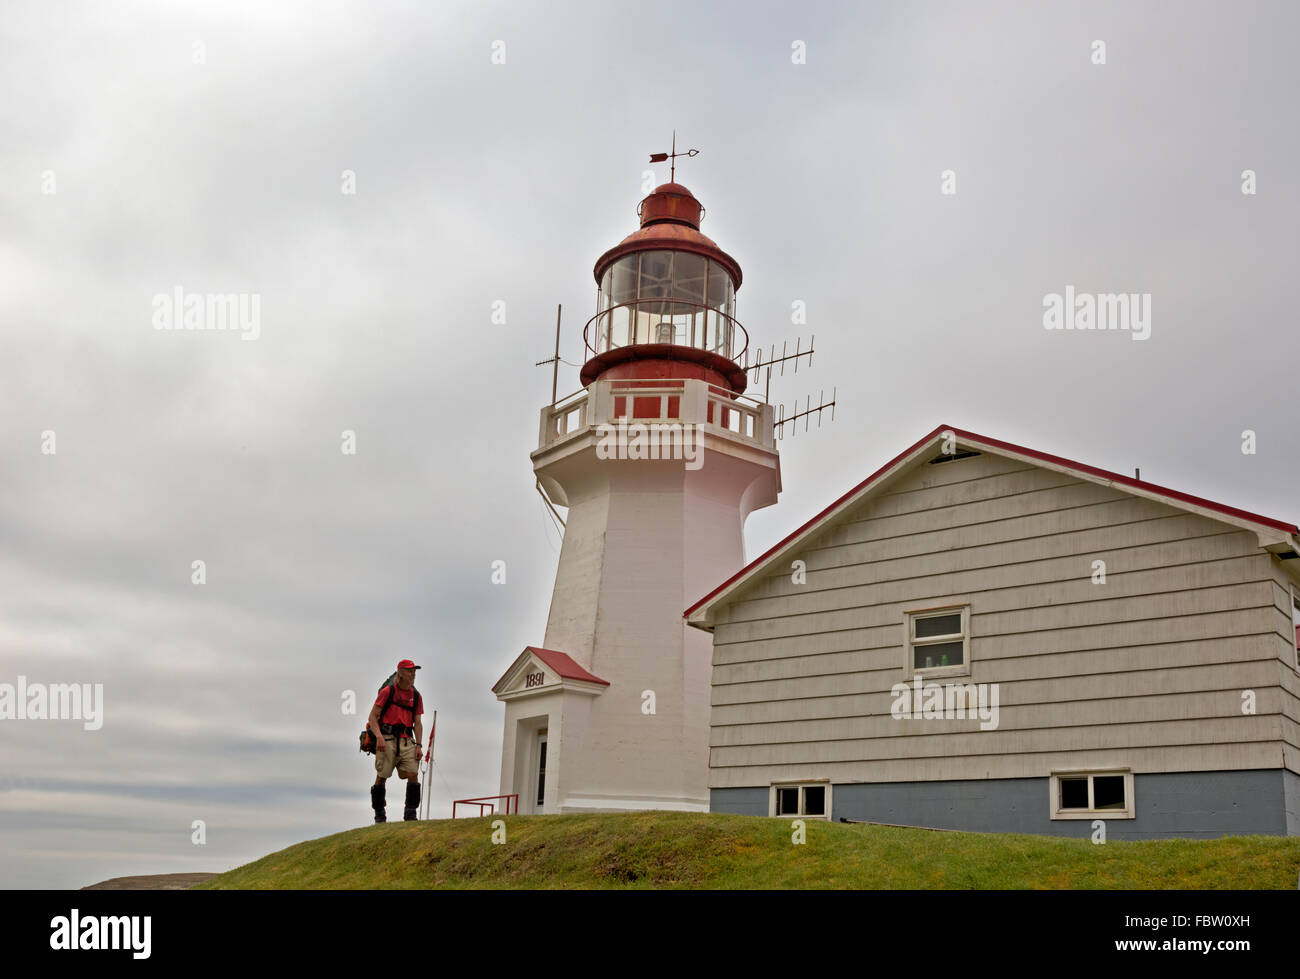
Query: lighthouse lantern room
[659, 459]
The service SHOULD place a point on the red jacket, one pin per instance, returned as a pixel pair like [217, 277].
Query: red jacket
[400, 710]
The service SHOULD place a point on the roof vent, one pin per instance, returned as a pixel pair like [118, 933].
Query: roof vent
[945, 457]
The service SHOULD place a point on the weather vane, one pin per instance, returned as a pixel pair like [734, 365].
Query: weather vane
[672, 167]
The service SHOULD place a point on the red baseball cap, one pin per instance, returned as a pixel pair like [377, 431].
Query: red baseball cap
[406, 664]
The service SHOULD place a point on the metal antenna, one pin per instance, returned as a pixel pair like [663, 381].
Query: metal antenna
[809, 409]
[773, 360]
[764, 368]
[555, 374]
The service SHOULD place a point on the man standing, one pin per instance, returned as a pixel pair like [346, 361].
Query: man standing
[395, 721]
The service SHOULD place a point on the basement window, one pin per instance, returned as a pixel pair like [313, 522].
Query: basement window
[937, 641]
[811, 800]
[1092, 794]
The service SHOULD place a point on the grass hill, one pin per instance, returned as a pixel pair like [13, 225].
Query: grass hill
[715, 850]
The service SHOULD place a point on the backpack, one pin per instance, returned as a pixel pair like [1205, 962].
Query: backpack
[367, 735]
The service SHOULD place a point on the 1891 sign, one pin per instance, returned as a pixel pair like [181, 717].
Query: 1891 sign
[534, 679]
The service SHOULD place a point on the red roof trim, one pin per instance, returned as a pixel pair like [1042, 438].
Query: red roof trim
[561, 663]
[780, 544]
[1135, 483]
[1009, 447]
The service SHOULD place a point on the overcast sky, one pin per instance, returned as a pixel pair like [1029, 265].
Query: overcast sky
[150, 146]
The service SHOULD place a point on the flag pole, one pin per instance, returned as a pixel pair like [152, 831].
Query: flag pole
[428, 768]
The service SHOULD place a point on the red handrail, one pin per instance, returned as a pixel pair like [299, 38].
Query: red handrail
[489, 801]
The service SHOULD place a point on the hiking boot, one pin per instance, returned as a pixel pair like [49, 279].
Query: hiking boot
[412, 800]
[377, 802]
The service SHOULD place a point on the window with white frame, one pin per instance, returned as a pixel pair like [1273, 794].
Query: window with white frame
[1092, 794]
[938, 640]
[808, 799]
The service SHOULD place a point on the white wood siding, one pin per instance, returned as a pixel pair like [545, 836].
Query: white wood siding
[1288, 667]
[1146, 670]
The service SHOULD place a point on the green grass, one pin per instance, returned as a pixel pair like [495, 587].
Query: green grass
[715, 850]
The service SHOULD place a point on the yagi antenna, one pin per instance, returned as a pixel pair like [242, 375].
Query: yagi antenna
[809, 410]
[764, 368]
[773, 360]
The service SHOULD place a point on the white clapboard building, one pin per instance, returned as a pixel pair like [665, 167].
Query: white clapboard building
[983, 636]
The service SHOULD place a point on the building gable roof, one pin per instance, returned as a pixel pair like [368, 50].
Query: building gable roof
[1274, 535]
[563, 665]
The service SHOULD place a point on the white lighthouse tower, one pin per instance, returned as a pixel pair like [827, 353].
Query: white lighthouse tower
[659, 459]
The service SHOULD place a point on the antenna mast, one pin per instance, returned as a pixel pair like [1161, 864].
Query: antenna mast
[555, 374]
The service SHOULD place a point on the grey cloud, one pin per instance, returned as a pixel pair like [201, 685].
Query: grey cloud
[478, 183]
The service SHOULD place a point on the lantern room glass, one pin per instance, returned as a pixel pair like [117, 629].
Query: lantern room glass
[666, 296]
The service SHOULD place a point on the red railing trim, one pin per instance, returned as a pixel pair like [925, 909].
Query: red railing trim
[488, 800]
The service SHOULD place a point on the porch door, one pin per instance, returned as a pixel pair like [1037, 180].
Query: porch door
[539, 779]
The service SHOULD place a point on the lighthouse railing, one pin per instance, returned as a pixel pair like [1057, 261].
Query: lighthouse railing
[740, 414]
[566, 417]
[666, 320]
[669, 401]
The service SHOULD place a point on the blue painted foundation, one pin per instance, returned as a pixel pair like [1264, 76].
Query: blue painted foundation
[1192, 805]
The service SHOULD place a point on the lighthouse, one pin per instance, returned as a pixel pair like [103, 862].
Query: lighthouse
[659, 459]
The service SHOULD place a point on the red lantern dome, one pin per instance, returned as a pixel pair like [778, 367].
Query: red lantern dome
[667, 301]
